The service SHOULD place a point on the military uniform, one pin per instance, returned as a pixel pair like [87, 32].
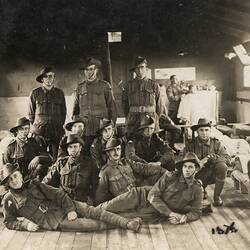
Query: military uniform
[170, 194]
[48, 208]
[24, 152]
[97, 153]
[94, 101]
[118, 178]
[174, 93]
[151, 149]
[141, 97]
[77, 177]
[47, 113]
[216, 167]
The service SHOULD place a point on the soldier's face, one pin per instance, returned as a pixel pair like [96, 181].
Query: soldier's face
[188, 169]
[174, 80]
[115, 153]
[148, 131]
[107, 132]
[141, 71]
[78, 128]
[74, 149]
[15, 180]
[204, 133]
[90, 72]
[23, 132]
[48, 80]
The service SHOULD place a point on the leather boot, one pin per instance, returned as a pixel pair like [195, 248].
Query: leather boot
[217, 192]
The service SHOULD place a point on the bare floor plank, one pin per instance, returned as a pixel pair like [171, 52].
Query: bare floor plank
[34, 241]
[50, 240]
[114, 241]
[158, 237]
[5, 237]
[99, 240]
[203, 236]
[18, 241]
[130, 240]
[82, 241]
[65, 241]
[144, 238]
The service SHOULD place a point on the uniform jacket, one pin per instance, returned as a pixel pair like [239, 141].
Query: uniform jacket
[118, 178]
[78, 178]
[37, 202]
[94, 101]
[212, 146]
[23, 153]
[150, 149]
[174, 93]
[141, 92]
[47, 112]
[97, 153]
[173, 194]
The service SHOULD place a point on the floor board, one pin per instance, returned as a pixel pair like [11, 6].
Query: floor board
[162, 236]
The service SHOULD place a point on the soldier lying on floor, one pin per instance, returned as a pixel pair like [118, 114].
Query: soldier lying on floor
[177, 196]
[49, 208]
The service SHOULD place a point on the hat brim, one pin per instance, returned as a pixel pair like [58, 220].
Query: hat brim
[65, 144]
[195, 127]
[39, 78]
[4, 180]
[14, 129]
[110, 148]
[69, 125]
[179, 165]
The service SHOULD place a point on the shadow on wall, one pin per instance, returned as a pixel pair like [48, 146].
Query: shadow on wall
[12, 108]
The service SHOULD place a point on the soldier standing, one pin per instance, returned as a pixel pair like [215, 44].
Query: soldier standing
[141, 96]
[47, 110]
[94, 99]
[174, 93]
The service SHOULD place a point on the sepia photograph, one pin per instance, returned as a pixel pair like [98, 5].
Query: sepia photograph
[124, 125]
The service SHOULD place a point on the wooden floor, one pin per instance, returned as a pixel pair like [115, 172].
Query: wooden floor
[196, 235]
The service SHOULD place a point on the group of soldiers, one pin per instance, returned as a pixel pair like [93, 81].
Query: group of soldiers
[97, 177]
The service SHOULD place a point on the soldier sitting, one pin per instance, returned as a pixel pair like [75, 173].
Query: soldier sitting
[105, 133]
[76, 126]
[213, 156]
[49, 208]
[177, 196]
[76, 174]
[148, 146]
[120, 175]
[29, 153]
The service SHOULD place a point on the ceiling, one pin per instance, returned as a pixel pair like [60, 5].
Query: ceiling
[62, 28]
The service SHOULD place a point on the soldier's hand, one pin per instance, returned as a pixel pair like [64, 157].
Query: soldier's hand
[72, 215]
[212, 156]
[174, 221]
[204, 160]
[32, 227]
[175, 215]
[183, 219]
[154, 164]
[34, 163]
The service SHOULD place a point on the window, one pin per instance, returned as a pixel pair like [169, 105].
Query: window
[114, 37]
[246, 76]
[185, 73]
